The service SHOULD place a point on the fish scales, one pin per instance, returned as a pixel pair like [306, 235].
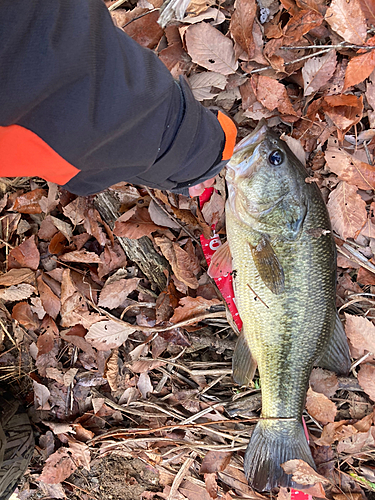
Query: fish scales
[284, 264]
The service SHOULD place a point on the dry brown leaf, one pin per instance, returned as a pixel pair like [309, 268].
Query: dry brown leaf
[114, 293]
[357, 442]
[28, 203]
[80, 453]
[344, 110]
[108, 334]
[361, 334]
[144, 385]
[305, 475]
[335, 431]
[113, 257]
[22, 313]
[192, 307]
[210, 48]
[201, 84]
[317, 71]
[17, 276]
[58, 467]
[143, 366]
[273, 95]
[134, 224]
[211, 484]
[241, 24]
[366, 379]
[324, 382]
[50, 301]
[145, 30]
[213, 209]
[348, 168]
[320, 407]
[368, 8]
[215, 461]
[347, 210]
[74, 309]
[14, 293]
[82, 256]
[348, 20]
[41, 396]
[360, 67]
[25, 255]
[159, 217]
[179, 260]
[197, 7]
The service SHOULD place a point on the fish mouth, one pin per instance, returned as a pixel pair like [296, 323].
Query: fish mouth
[253, 139]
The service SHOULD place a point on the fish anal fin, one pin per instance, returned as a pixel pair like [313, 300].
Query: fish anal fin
[268, 265]
[336, 356]
[221, 262]
[243, 362]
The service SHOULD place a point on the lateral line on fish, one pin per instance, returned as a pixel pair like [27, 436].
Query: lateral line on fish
[279, 418]
[257, 296]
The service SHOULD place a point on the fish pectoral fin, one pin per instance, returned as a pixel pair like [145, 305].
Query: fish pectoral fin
[336, 356]
[221, 262]
[268, 265]
[243, 362]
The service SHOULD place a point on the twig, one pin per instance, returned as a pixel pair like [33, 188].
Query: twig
[181, 474]
[259, 70]
[339, 46]
[138, 17]
[116, 5]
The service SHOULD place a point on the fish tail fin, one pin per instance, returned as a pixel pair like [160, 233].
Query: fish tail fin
[272, 443]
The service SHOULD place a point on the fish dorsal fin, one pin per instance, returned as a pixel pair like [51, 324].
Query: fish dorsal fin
[268, 265]
[221, 262]
[336, 356]
[243, 362]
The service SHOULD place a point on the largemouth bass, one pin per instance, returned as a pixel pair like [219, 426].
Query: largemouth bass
[284, 275]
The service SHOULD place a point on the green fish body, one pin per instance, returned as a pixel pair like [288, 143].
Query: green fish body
[284, 270]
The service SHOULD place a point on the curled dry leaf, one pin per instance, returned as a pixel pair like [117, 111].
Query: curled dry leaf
[348, 20]
[192, 307]
[273, 95]
[25, 255]
[22, 313]
[320, 407]
[28, 203]
[108, 334]
[241, 25]
[17, 276]
[134, 224]
[317, 71]
[344, 110]
[82, 256]
[41, 396]
[335, 431]
[179, 260]
[361, 334]
[305, 475]
[347, 210]
[348, 168]
[210, 48]
[50, 301]
[144, 384]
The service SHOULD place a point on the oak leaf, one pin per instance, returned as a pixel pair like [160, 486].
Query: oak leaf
[348, 20]
[209, 48]
[347, 210]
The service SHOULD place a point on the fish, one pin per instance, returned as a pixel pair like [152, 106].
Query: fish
[283, 254]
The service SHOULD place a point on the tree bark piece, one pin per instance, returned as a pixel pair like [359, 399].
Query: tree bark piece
[140, 251]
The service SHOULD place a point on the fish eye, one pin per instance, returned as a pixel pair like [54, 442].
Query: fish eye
[276, 157]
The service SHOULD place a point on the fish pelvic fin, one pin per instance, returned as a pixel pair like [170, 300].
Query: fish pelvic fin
[336, 356]
[243, 362]
[272, 443]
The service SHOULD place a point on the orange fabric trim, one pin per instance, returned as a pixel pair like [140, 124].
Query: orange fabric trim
[25, 154]
[230, 131]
